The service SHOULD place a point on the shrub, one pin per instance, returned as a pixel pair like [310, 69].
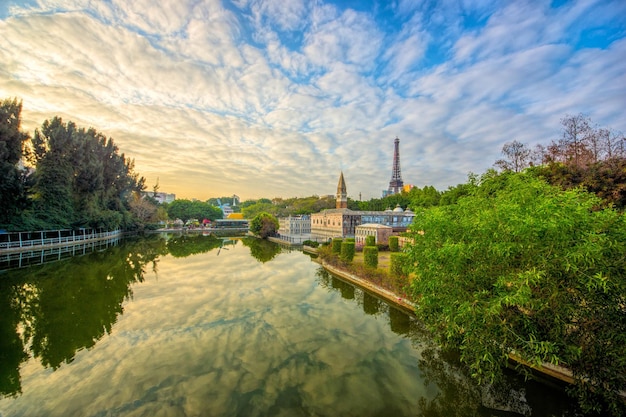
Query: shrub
[370, 240]
[347, 251]
[394, 244]
[396, 264]
[370, 256]
[337, 245]
[311, 243]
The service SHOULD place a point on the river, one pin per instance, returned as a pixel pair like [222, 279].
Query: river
[175, 325]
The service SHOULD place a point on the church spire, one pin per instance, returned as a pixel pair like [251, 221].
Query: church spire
[342, 194]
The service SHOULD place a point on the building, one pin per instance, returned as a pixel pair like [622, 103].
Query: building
[294, 229]
[380, 232]
[342, 222]
[159, 197]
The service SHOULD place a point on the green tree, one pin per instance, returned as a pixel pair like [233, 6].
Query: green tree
[186, 210]
[264, 225]
[80, 178]
[370, 240]
[521, 266]
[12, 178]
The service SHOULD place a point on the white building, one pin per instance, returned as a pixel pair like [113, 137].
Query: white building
[295, 229]
[380, 232]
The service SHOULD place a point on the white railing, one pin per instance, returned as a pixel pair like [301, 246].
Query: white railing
[29, 240]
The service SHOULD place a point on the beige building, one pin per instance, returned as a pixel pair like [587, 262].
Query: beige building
[342, 222]
[380, 232]
[294, 229]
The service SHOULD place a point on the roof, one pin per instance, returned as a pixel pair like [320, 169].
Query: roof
[236, 216]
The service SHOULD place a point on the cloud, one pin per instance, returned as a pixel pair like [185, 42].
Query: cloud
[245, 97]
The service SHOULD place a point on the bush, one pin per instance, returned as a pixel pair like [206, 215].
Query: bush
[370, 256]
[394, 244]
[347, 251]
[396, 264]
[337, 245]
[311, 243]
[370, 240]
[519, 265]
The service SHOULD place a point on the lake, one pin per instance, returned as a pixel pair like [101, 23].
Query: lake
[190, 325]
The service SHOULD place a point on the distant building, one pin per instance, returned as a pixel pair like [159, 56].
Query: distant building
[342, 222]
[160, 197]
[380, 232]
[295, 229]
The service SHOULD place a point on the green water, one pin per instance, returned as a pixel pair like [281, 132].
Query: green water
[198, 326]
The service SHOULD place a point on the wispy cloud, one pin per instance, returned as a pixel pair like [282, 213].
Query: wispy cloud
[272, 98]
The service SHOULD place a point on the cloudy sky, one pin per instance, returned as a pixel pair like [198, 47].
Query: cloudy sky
[272, 98]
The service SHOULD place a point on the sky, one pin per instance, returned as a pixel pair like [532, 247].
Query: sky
[274, 98]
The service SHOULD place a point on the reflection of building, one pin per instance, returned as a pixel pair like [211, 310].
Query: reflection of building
[342, 222]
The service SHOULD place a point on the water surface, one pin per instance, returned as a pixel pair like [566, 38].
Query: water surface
[197, 326]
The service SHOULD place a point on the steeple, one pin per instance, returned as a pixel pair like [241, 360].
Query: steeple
[342, 194]
[396, 183]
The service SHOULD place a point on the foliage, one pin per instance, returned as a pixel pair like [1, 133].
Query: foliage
[311, 243]
[521, 266]
[336, 245]
[187, 245]
[370, 256]
[264, 225]
[347, 251]
[370, 240]
[594, 158]
[394, 243]
[187, 210]
[262, 250]
[286, 207]
[12, 177]
[397, 261]
[80, 178]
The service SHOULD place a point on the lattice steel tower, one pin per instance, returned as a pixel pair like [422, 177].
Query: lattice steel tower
[396, 183]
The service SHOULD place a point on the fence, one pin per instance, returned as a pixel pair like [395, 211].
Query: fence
[20, 241]
[27, 257]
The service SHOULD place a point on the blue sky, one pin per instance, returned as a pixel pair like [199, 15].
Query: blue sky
[273, 98]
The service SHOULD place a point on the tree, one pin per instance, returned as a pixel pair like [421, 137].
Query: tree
[12, 178]
[264, 225]
[80, 178]
[517, 157]
[186, 210]
[521, 266]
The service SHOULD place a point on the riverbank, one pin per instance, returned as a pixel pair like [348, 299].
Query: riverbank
[547, 371]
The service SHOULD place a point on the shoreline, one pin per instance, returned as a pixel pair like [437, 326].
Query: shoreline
[546, 370]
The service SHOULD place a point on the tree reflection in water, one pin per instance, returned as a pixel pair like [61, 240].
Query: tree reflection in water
[457, 394]
[54, 310]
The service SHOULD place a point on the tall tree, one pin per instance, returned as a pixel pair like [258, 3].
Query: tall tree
[12, 177]
[81, 179]
[517, 157]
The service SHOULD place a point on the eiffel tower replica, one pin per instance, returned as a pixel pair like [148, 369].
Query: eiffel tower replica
[396, 183]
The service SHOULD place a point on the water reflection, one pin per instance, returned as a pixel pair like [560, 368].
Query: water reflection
[234, 335]
[457, 394]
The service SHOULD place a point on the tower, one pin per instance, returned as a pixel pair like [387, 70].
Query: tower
[342, 194]
[396, 183]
